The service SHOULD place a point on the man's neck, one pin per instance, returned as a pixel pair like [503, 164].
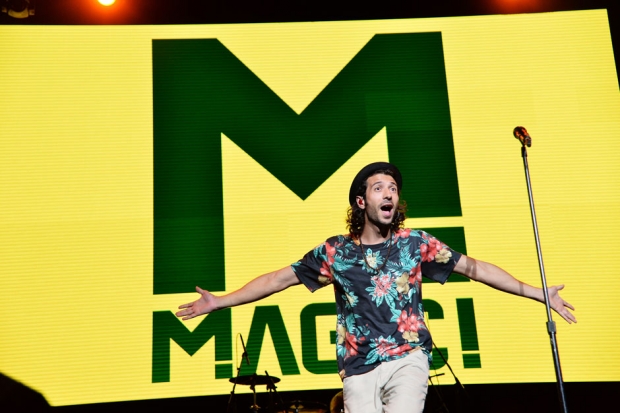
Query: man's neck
[373, 234]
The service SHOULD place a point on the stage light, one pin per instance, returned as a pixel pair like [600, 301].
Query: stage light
[19, 9]
[520, 6]
[107, 2]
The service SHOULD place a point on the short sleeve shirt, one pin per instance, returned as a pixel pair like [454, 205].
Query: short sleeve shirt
[380, 316]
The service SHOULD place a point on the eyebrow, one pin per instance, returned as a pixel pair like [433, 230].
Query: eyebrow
[383, 182]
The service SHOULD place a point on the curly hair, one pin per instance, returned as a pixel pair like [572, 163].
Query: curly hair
[356, 217]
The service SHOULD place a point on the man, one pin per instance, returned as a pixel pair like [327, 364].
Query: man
[383, 345]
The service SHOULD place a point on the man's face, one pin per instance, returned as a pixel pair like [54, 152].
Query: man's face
[381, 199]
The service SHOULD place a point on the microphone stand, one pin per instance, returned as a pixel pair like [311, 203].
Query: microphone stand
[459, 386]
[232, 393]
[271, 387]
[456, 379]
[442, 404]
[525, 139]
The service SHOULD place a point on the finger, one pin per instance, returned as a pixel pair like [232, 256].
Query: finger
[182, 313]
[186, 305]
[569, 317]
[558, 287]
[187, 314]
[199, 290]
[569, 305]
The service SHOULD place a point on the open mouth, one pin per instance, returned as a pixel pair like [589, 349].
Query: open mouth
[386, 209]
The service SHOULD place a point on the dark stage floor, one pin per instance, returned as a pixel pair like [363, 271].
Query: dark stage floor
[504, 398]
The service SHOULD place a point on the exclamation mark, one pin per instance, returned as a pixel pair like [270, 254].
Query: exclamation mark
[469, 334]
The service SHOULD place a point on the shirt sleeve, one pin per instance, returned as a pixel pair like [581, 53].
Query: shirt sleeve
[438, 260]
[314, 269]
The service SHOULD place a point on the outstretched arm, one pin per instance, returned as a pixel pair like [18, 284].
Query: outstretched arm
[497, 278]
[258, 288]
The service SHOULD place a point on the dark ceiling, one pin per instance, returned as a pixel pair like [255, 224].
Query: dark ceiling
[244, 11]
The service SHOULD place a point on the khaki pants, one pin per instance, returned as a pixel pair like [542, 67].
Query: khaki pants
[397, 386]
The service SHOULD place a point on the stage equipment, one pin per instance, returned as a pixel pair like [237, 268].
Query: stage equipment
[521, 134]
[460, 389]
[307, 406]
[19, 9]
[254, 380]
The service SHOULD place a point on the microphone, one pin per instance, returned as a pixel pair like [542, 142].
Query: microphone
[245, 352]
[521, 133]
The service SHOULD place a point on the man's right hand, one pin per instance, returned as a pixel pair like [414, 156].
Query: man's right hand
[204, 305]
[258, 288]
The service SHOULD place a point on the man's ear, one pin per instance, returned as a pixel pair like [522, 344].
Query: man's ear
[359, 200]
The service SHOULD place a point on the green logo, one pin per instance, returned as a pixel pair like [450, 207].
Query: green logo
[201, 90]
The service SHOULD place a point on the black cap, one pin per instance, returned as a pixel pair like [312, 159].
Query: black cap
[370, 170]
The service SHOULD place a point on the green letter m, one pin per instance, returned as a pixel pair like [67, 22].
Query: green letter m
[201, 90]
[166, 327]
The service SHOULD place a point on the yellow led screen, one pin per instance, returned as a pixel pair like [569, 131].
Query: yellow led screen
[119, 192]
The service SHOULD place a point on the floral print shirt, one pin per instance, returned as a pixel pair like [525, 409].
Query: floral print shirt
[378, 297]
